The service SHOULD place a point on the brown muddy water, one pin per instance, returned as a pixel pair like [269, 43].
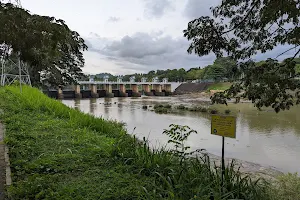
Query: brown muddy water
[263, 137]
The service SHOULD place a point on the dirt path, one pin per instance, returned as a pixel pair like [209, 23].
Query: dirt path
[2, 164]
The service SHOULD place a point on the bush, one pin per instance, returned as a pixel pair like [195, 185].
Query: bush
[227, 112]
[145, 107]
[193, 109]
[213, 111]
[161, 110]
[158, 106]
[181, 107]
[167, 106]
[203, 109]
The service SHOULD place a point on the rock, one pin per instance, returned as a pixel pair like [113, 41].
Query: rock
[145, 107]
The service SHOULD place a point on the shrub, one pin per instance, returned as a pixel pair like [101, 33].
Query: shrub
[203, 109]
[145, 107]
[158, 106]
[227, 112]
[161, 110]
[181, 107]
[193, 109]
[213, 111]
[167, 106]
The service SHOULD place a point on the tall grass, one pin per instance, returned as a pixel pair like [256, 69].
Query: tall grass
[34, 99]
[286, 187]
[179, 176]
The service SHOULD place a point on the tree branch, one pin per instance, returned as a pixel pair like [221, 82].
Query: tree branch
[246, 16]
[288, 51]
[296, 54]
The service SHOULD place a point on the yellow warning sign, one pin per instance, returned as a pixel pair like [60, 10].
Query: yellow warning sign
[223, 125]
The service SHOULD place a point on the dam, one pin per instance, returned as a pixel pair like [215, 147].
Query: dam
[119, 88]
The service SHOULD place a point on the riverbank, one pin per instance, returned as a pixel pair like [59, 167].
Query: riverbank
[60, 153]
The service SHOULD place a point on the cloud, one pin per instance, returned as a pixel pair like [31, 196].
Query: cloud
[151, 51]
[113, 19]
[96, 42]
[279, 52]
[143, 52]
[197, 8]
[157, 8]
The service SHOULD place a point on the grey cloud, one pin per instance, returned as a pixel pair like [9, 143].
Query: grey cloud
[95, 42]
[197, 8]
[113, 19]
[89, 44]
[143, 51]
[157, 8]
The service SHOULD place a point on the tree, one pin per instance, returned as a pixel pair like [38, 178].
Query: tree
[243, 28]
[215, 72]
[52, 50]
[193, 74]
[230, 67]
[181, 74]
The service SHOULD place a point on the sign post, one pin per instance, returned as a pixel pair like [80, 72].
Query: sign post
[224, 126]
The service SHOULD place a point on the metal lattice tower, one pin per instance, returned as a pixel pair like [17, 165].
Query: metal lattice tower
[14, 70]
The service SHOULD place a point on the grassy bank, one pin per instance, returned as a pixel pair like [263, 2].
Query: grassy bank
[60, 153]
[219, 86]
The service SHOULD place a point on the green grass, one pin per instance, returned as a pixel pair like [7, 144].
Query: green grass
[219, 86]
[287, 187]
[298, 68]
[60, 153]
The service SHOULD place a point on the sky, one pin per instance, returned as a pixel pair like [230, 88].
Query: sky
[131, 36]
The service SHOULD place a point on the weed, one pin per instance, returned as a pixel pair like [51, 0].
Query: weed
[193, 109]
[145, 107]
[213, 111]
[168, 106]
[181, 107]
[156, 106]
[287, 187]
[161, 110]
[178, 136]
[203, 109]
[227, 112]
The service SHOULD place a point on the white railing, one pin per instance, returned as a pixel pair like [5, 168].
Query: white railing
[118, 83]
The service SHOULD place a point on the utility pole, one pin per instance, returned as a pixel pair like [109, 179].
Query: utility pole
[13, 69]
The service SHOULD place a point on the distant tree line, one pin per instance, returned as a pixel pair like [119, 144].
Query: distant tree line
[222, 69]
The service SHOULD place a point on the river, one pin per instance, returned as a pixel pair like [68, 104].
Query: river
[262, 137]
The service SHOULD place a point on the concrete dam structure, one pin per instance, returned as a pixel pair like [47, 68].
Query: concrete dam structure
[185, 88]
[96, 89]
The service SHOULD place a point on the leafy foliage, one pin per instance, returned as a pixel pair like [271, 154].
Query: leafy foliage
[241, 29]
[178, 136]
[222, 68]
[53, 51]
